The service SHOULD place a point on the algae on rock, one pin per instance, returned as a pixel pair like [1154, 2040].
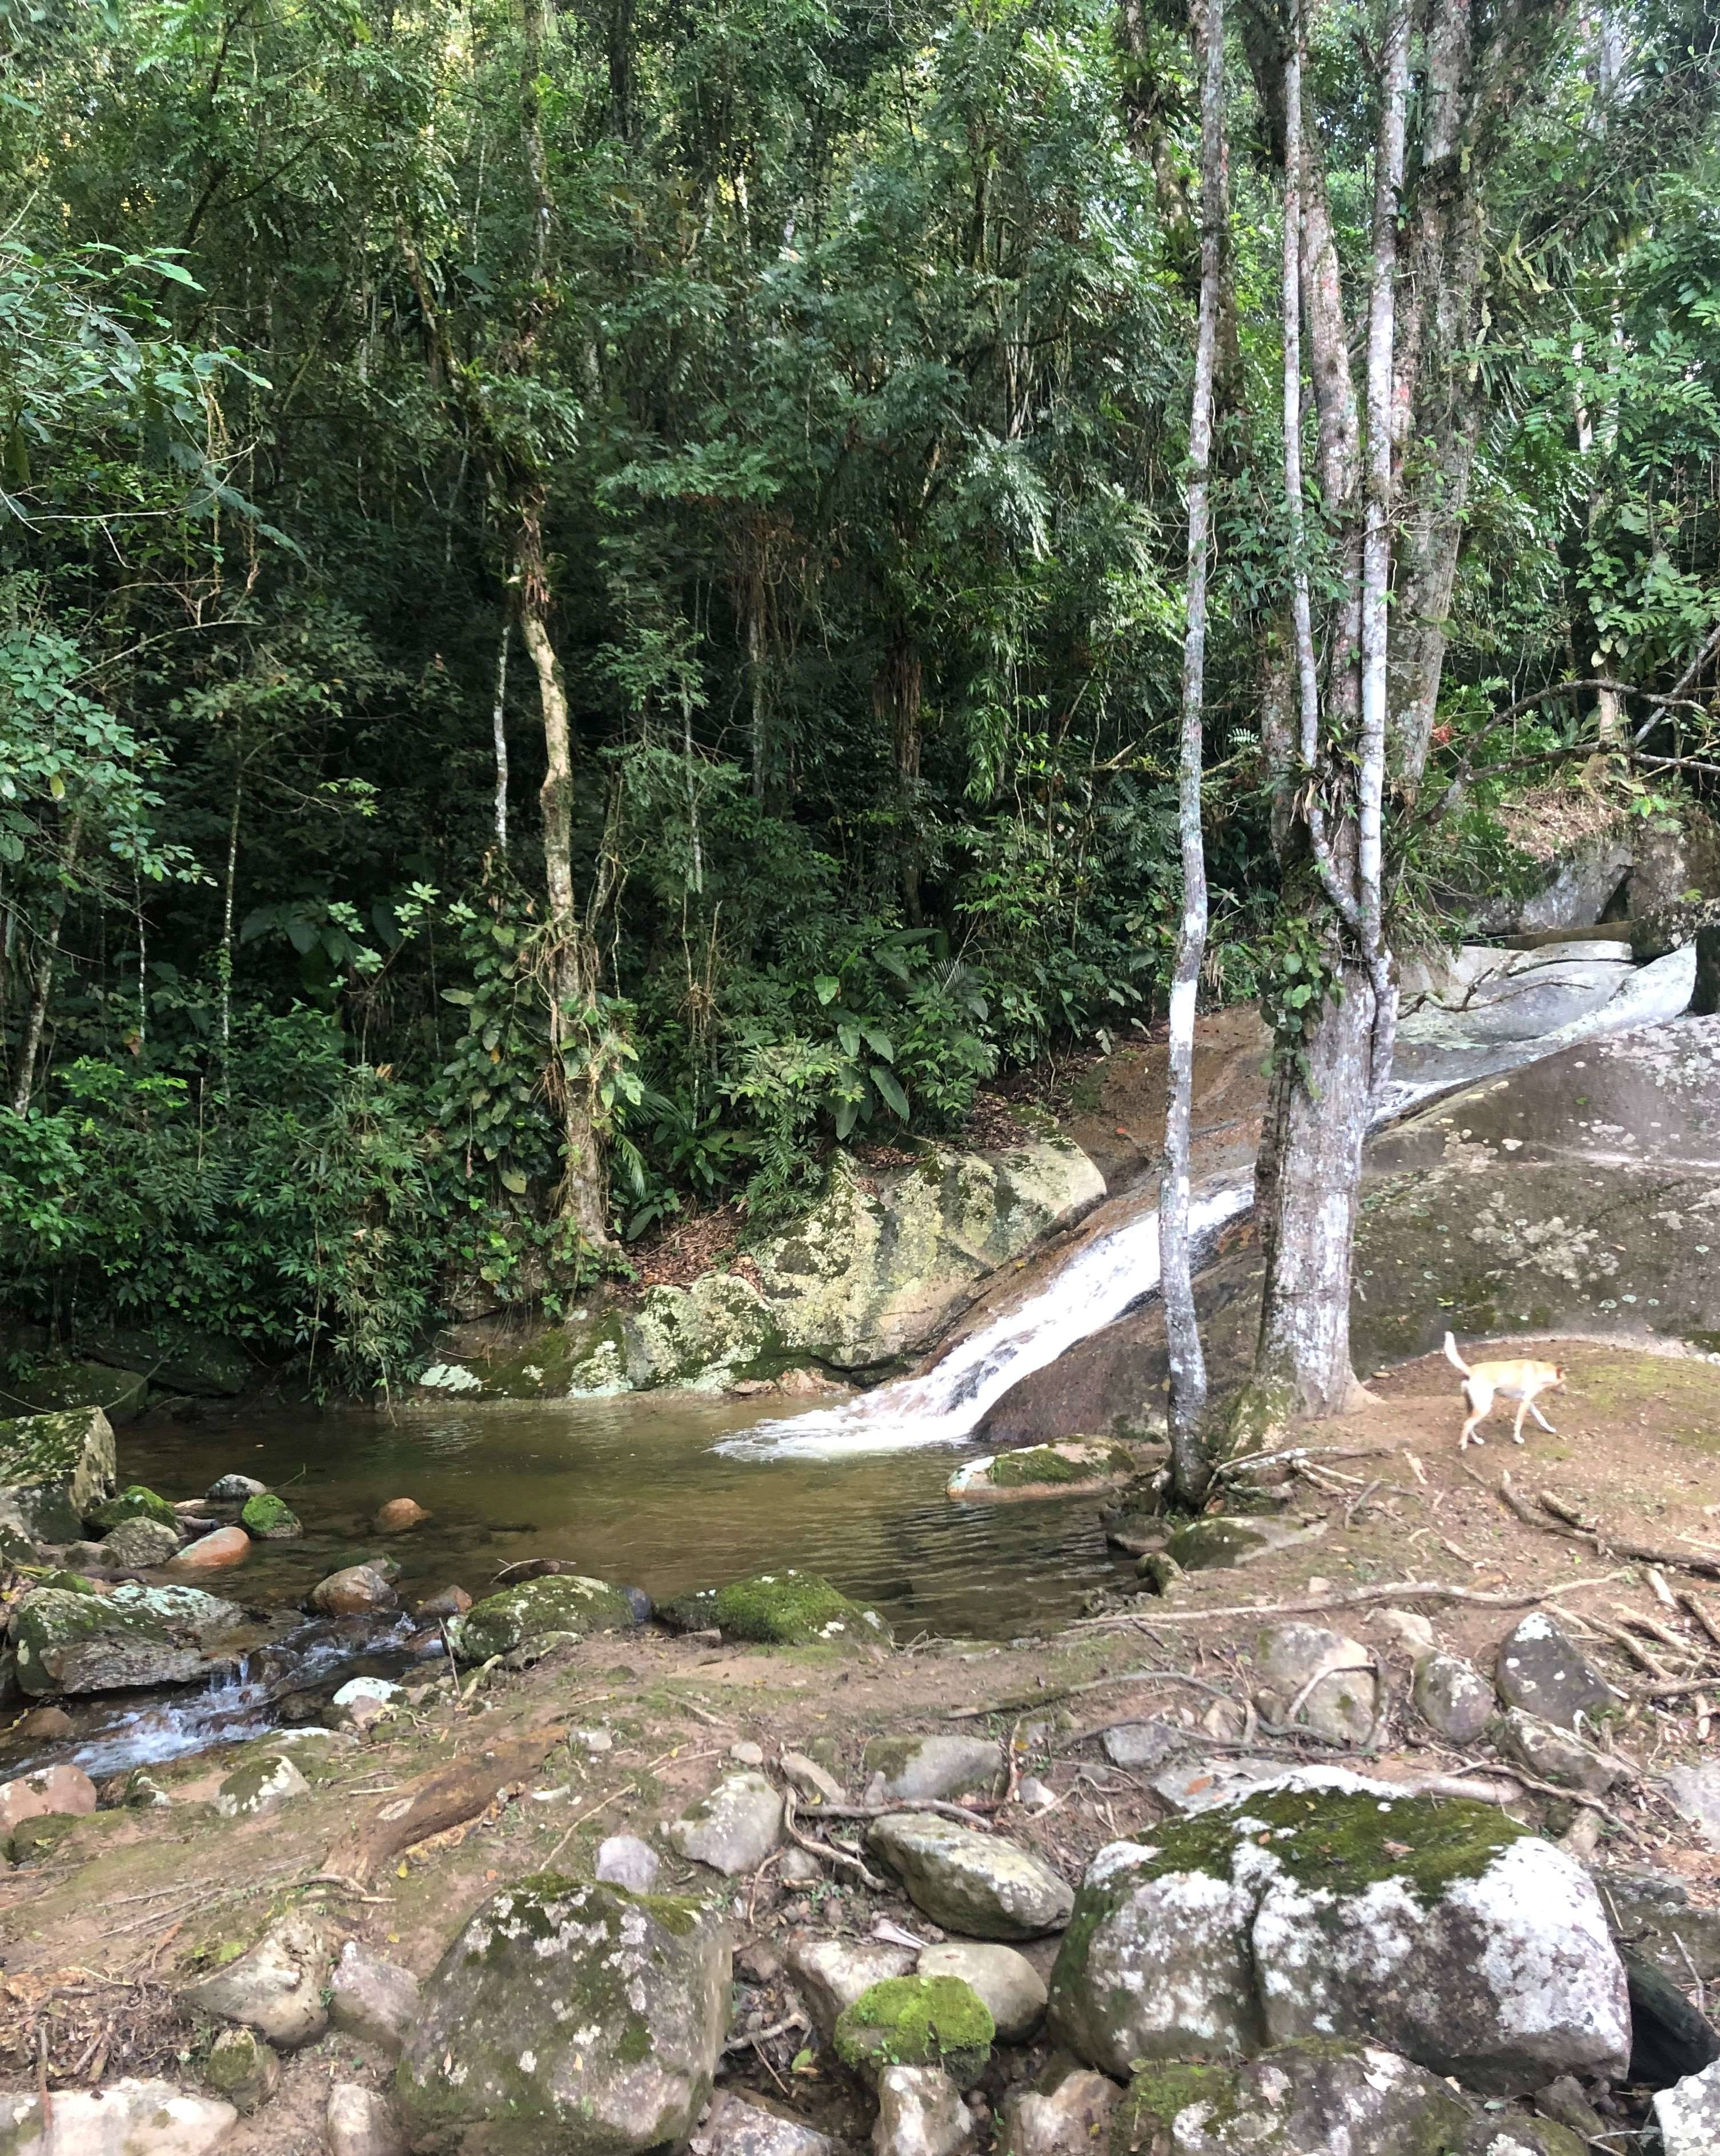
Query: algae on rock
[535, 1611]
[786, 1608]
[917, 2021]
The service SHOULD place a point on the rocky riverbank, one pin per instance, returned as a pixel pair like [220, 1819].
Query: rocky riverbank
[1402, 1823]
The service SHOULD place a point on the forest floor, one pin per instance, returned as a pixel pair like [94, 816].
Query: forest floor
[94, 1939]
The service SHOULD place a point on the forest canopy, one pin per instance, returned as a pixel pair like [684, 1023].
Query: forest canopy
[591, 591]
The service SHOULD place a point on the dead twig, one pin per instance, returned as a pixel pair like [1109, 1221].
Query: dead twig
[829, 1852]
[1395, 1590]
[1569, 1523]
[1699, 1609]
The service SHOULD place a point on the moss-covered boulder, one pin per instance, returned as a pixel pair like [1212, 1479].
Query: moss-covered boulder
[1303, 2100]
[786, 1608]
[71, 1640]
[135, 1502]
[241, 2068]
[53, 1469]
[1325, 1905]
[1078, 1467]
[35, 1839]
[537, 1611]
[568, 2018]
[917, 2021]
[267, 1518]
[177, 1359]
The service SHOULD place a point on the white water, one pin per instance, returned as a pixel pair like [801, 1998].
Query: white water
[944, 1404]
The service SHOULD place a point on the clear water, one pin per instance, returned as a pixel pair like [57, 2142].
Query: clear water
[631, 1490]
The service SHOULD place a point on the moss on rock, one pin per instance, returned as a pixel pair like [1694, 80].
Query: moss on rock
[134, 1502]
[535, 1609]
[268, 1518]
[917, 2021]
[787, 1609]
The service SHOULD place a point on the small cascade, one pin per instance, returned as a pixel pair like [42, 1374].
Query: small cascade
[1440, 1052]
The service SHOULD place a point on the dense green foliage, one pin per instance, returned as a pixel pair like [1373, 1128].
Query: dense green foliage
[843, 350]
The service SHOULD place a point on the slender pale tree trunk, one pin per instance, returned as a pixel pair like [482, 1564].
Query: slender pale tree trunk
[498, 726]
[1191, 1463]
[42, 983]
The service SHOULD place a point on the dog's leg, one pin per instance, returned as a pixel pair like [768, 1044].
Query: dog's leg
[1479, 1400]
[1516, 1428]
[1542, 1420]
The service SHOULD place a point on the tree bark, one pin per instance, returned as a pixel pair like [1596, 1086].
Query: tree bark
[897, 692]
[1191, 1462]
[498, 727]
[42, 984]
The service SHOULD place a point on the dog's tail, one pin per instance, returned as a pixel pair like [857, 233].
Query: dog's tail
[1453, 1358]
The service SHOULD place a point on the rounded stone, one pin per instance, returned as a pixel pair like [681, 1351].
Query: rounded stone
[398, 1515]
[357, 1590]
[214, 1552]
[976, 1883]
[1012, 1988]
[917, 2021]
[139, 1545]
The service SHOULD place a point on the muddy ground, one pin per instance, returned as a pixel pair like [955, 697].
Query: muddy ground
[94, 1939]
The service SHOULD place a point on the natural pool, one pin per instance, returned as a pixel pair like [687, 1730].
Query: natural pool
[631, 1490]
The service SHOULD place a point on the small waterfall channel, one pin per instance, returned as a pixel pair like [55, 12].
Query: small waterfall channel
[1440, 1050]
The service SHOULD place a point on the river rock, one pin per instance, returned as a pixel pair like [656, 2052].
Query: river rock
[976, 1883]
[1012, 1988]
[920, 2113]
[1413, 1632]
[1540, 1670]
[270, 1519]
[53, 1469]
[126, 2118]
[916, 2021]
[138, 1545]
[400, 1514]
[914, 1768]
[45, 1725]
[214, 1552]
[1453, 1697]
[737, 2125]
[276, 1987]
[735, 1828]
[1652, 1912]
[1071, 2118]
[360, 2122]
[234, 1489]
[1143, 1743]
[1340, 1705]
[60, 1789]
[1224, 1540]
[135, 1502]
[1078, 1467]
[357, 1590]
[373, 1999]
[260, 1785]
[571, 2015]
[786, 1608]
[1307, 2099]
[1559, 1755]
[624, 1860]
[1688, 2115]
[1694, 1791]
[830, 1973]
[1669, 2038]
[1325, 1905]
[241, 2068]
[446, 1602]
[68, 1641]
[566, 1605]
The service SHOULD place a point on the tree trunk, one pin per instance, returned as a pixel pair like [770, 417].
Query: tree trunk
[1306, 1186]
[42, 985]
[1191, 1463]
[571, 960]
[498, 725]
[897, 693]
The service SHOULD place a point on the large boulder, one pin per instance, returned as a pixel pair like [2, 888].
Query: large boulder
[1688, 2115]
[177, 1360]
[568, 2019]
[68, 1640]
[536, 1612]
[70, 1386]
[53, 1468]
[1323, 1905]
[976, 1883]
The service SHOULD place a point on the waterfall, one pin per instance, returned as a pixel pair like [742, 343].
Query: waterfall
[943, 1405]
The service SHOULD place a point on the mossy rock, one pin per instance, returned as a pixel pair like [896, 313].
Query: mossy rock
[267, 1518]
[134, 1502]
[52, 1468]
[55, 1387]
[917, 2021]
[176, 1360]
[33, 1840]
[71, 1640]
[535, 1611]
[1310, 2095]
[787, 1609]
[1211, 1545]
[1077, 1466]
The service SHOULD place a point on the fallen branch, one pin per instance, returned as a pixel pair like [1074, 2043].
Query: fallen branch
[447, 1797]
[969, 1814]
[1020, 1707]
[1395, 1590]
[1700, 1611]
[828, 1851]
[1223, 1472]
[1569, 1523]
